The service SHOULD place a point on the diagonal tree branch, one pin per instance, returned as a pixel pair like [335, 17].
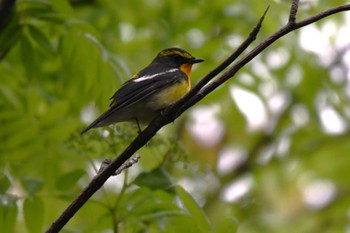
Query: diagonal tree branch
[289, 27]
[198, 92]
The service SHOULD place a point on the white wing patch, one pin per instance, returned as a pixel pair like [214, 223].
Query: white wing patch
[147, 77]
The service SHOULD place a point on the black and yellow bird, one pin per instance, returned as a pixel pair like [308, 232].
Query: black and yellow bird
[154, 88]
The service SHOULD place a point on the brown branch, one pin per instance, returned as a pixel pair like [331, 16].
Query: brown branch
[105, 163]
[293, 11]
[195, 95]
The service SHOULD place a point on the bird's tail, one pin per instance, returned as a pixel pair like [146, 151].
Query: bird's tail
[92, 125]
[102, 120]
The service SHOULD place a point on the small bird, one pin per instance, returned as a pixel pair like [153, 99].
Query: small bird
[154, 88]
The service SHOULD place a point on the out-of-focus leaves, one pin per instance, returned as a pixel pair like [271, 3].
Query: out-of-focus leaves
[150, 211]
[32, 186]
[40, 38]
[10, 35]
[4, 183]
[147, 205]
[22, 137]
[33, 213]
[183, 223]
[312, 82]
[226, 225]
[63, 7]
[28, 57]
[68, 180]
[8, 213]
[194, 209]
[10, 96]
[156, 179]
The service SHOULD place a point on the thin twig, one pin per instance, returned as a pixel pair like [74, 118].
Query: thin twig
[127, 164]
[322, 15]
[173, 112]
[105, 163]
[293, 11]
[257, 50]
[207, 78]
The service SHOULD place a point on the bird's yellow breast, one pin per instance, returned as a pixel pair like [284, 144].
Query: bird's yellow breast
[169, 95]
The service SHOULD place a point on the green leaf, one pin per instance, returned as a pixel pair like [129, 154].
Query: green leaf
[33, 213]
[182, 223]
[157, 214]
[155, 179]
[153, 204]
[151, 209]
[63, 7]
[40, 38]
[68, 180]
[10, 34]
[4, 183]
[28, 56]
[226, 225]
[8, 213]
[194, 209]
[36, 4]
[33, 9]
[10, 96]
[22, 138]
[32, 186]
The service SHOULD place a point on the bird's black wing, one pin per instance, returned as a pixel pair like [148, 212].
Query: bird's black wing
[143, 87]
[138, 89]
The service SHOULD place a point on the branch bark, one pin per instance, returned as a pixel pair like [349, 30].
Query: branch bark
[203, 88]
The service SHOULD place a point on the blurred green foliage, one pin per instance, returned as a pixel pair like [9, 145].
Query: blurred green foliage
[61, 61]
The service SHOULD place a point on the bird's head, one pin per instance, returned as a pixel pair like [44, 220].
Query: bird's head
[177, 58]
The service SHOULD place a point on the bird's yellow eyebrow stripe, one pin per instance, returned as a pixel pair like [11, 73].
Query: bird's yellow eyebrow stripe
[174, 52]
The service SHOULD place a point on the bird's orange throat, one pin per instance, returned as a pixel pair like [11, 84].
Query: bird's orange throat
[186, 68]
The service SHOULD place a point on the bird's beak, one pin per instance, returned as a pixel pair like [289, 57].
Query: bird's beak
[196, 60]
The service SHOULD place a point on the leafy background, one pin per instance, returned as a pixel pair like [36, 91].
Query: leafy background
[266, 152]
